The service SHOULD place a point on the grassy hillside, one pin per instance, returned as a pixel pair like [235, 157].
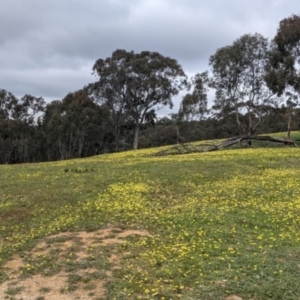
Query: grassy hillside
[294, 135]
[197, 226]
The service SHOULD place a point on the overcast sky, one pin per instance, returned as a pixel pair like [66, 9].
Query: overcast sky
[48, 47]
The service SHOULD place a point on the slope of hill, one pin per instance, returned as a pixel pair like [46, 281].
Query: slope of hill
[136, 226]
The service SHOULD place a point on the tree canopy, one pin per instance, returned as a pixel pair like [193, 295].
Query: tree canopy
[284, 73]
[137, 83]
[238, 79]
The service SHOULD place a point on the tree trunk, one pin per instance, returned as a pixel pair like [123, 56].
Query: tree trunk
[250, 131]
[70, 144]
[240, 124]
[81, 138]
[288, 133]
[117, 130]
[61, 149]
[136, 136]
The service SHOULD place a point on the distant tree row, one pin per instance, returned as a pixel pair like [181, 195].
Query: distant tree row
[256, 85]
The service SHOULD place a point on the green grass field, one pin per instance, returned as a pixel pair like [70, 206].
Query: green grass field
[197, 226]
[294, 135]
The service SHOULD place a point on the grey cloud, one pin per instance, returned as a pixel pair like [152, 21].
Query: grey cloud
[50, 84]
[48, 47]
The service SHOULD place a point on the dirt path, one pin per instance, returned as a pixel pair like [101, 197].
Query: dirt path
[67, 266]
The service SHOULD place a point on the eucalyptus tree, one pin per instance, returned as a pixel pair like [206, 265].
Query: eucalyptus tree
[240, 83]
[26, 113]
[193, 106]
[29, 108]
[238, 79]
[8, 102]
[134, 84]
[111, 89]
[285, 57]
[284, 72]
[75, 126]
[18, 118]
[86, 124]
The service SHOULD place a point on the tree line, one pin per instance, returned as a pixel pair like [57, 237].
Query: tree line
[256, 84]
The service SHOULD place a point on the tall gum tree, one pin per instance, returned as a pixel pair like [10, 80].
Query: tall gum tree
[111, 89]
[136, 83]
[193, 106]
[75, 126]
[283, 76]
[238, 79]
[285, 57]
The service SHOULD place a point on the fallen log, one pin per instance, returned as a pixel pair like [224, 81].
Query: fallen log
[185, 148]
[249, 138]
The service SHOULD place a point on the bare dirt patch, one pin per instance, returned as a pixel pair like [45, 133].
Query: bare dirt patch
[15, 264]
[66, 266]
